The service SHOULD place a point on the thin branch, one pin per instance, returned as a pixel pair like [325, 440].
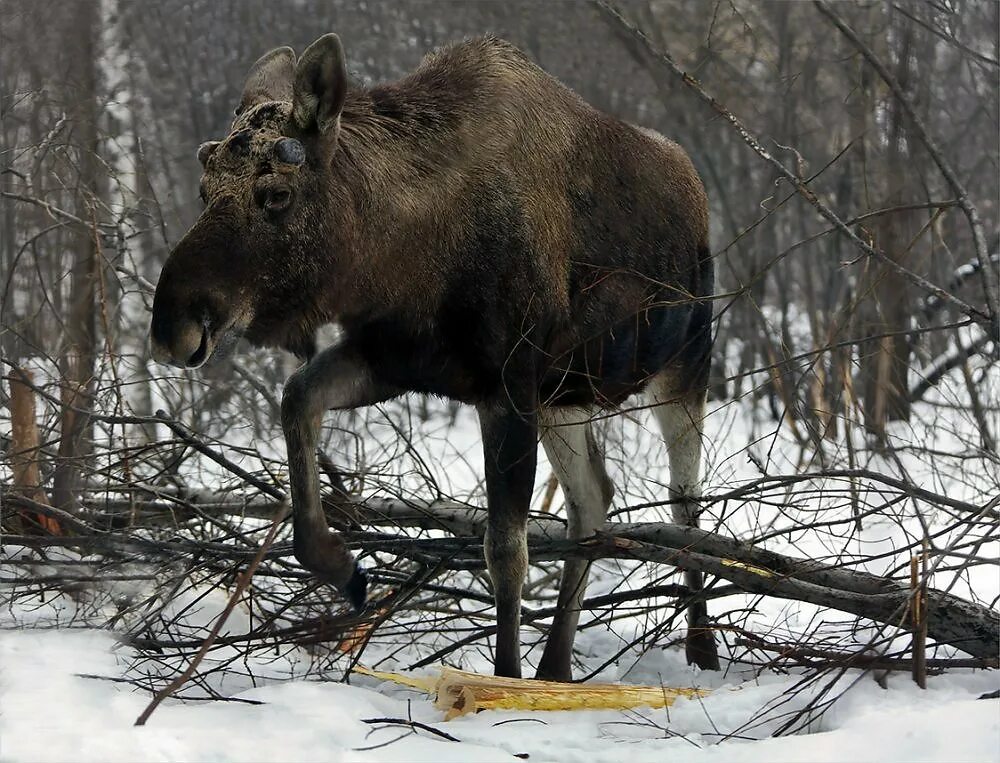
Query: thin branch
[991, 282]
[182, 432]
[615, 16]
[979, 57]
[55, 212]
[241, 586]
[943, 366]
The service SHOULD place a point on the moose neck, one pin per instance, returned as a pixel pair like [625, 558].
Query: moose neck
[401, 163]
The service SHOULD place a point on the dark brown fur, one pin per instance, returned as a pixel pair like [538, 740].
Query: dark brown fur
[478, 231]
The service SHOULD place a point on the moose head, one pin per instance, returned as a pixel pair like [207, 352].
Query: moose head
[249, 265]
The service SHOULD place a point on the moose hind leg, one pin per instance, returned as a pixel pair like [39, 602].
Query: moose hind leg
[680, 419]
[568, 439]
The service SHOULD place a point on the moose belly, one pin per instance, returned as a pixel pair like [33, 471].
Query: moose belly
[465, 359]
[606, 367]
[427, 360]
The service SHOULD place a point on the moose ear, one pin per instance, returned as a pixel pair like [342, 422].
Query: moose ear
[320, 85]
[205, 150]
[270, 79]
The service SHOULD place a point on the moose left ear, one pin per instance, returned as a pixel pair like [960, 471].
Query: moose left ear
[320, 85]
[206, 149]
[269, 79]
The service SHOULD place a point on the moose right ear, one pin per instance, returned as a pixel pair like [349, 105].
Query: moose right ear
[320, 85]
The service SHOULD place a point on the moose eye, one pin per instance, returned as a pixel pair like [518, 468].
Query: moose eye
[273, 195]
[277, 200]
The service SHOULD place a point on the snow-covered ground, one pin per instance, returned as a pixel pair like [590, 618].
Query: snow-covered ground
[50, 712]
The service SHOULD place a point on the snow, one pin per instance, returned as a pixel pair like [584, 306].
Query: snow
[50, 712]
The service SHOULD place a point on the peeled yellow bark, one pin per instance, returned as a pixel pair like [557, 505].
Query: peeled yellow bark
[458, 692]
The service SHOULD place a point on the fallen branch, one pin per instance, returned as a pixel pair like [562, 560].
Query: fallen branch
[465, 519]
[809, 655]
[971, 627]
[459, 692]
[943, 366]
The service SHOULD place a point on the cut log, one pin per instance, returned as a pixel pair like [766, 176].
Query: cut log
[459, 692]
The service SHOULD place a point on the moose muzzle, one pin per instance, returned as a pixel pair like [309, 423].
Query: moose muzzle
[181, 334]
[197, 294]
[187, 345]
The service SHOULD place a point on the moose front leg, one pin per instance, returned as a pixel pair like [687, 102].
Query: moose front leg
[335, 378]
[510, 444]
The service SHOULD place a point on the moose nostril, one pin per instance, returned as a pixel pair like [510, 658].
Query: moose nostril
[198, 356]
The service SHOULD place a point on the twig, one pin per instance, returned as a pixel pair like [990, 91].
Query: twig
[182, 432]
[53, 211]
[140, 685]
[241, 586]
[987, 271]
[614, 15]
[413, 725]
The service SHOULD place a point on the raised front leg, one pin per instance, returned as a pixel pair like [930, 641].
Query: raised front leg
[510, 447]
[336, 378]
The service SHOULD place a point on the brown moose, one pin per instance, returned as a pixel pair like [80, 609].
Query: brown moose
[480, 233]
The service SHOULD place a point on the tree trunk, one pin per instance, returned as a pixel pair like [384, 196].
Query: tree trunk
[888, 311]
[78, 362]
[24, 455]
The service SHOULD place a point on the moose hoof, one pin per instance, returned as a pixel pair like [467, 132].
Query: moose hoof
[356, 589]
[560, 676]
[701, 650]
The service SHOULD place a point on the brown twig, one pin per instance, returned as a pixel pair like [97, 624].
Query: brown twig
[918, 617]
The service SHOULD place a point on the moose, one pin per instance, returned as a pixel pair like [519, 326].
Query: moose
[480, 233]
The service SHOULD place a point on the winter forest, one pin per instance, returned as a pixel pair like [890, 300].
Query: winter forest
[850, 499]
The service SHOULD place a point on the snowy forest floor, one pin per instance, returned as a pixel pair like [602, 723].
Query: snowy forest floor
[55, 708]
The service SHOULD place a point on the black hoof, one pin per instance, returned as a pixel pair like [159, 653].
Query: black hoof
[559, 676]
[701, 650]
[356, 590]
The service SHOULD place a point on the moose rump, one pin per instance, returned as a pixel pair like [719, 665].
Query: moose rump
[480, 233]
